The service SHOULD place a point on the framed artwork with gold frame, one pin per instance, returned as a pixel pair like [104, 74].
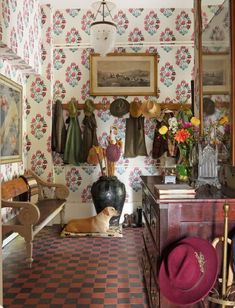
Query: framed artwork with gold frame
[123, 74]
[215, 77]
[10, 121]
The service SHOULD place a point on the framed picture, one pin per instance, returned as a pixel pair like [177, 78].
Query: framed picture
[215, 77]
[123, 74]
[10, 121]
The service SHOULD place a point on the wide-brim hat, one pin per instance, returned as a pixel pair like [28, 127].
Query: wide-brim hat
[135, 109]
[119, 107]
[89, 107]
[189, 271]
[151, 109]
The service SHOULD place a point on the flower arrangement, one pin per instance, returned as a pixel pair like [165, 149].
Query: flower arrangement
[181, 131]
[106, 157]
[217, 131]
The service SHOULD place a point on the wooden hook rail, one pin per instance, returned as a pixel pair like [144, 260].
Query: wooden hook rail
[99, 106]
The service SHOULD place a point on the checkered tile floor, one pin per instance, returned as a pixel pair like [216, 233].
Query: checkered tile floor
[75, 272]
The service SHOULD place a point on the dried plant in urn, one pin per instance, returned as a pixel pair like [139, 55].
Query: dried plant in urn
[108, 190]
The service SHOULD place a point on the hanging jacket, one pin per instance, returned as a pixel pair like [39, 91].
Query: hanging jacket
[73, 146]
[89, 134]
[59, 133]
[159, 143]
[135, 138]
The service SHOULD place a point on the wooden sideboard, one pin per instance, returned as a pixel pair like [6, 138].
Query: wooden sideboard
[167, 221]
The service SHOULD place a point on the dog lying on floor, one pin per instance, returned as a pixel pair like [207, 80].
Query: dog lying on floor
[98, 223]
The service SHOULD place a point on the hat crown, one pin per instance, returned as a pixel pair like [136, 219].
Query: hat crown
[184, 268]
[151, 106]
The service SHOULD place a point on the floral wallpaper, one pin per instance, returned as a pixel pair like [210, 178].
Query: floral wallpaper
[20, 38]
[20, 48]
[156, 29]
[65, 74]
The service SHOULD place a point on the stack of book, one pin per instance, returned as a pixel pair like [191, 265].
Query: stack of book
[174, 191]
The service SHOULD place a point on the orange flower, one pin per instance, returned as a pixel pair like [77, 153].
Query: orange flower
[182, 135]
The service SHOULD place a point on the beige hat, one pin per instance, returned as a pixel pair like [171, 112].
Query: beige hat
[151, 109]
[135, 109]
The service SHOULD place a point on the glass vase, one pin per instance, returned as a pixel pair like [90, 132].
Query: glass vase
[183, 166]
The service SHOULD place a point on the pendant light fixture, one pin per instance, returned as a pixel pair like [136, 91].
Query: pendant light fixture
[103, 32]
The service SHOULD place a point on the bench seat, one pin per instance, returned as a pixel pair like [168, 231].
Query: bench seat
[31, 216]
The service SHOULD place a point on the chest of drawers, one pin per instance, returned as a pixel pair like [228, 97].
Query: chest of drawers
[167, 221]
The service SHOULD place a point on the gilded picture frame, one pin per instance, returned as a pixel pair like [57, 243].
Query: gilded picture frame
[215, 77]
[123, 74]
[10, 121]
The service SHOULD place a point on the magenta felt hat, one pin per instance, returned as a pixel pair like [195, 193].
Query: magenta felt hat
[189, 271]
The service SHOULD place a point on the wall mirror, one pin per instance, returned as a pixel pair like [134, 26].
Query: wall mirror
[214, 52]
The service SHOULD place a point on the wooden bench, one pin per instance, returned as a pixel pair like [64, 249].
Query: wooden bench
[31, 216]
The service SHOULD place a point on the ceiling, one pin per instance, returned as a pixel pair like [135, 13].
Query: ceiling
[84, 4]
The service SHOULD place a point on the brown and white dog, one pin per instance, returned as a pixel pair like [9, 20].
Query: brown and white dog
[98, 223]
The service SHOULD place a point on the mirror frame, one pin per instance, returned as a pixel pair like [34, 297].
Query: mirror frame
[198, 63]
[232, 40]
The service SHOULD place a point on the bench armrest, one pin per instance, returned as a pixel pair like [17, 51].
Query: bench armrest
[61, 191]
[29, 213]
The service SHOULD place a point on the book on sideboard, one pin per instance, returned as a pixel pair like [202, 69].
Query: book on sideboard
[174, 189]
[176, 196]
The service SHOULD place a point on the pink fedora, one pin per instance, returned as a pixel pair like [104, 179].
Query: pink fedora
[189, 271]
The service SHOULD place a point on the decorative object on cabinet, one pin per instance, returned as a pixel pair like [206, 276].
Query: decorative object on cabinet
[188, 271]
[103, 32]
[11, 121]
[123, 74]
[215, 76]
[182, 131]
[207, 165]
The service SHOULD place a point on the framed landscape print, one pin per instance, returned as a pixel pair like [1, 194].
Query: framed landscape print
[215, 77]
[123, 74]
[10, 121]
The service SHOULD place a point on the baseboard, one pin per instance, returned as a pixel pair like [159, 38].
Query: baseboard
[8, 239]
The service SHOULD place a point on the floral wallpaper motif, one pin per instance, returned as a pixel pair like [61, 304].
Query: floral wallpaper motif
[183, 23]
[38, 162]
[151, 23]
[38, 90]
[21, 28]
[38, 126]
[70, 69]
[121, 21]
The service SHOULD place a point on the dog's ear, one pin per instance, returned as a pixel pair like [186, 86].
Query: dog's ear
[106, 211]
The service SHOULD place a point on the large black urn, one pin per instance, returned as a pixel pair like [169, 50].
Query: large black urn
[109, 191]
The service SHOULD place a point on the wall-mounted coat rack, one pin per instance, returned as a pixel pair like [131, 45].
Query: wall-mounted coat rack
[99, 106]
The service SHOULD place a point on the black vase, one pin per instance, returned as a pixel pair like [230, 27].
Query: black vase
[109, 191]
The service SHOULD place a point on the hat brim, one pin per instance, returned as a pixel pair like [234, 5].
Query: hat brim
[147, 114]
[124, 110]
[192, 296]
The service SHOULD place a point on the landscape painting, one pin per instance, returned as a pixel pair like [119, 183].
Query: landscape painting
[215, 77]
[124, 74]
